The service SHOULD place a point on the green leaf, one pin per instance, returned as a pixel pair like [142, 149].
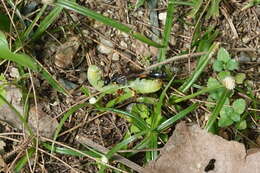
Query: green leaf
[167, 30]
[240, 77]
[218, 66]
[212, 82]
[23, 161]
[241, 125]
[224, 121]
[223, 74]
[46, 22]
[3, 41]
[167, 123]
[136, 120]
[196, 7]
[199, 68]
[128, 94]
[141, 109]
[4, 23]
[239, 106]
[235, 116]
[225, 94]
[124, 143]
[64, 118]
[232, 65]
[223, 55]
[213, 9]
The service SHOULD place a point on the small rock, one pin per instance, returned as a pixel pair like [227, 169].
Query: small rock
[14, 73]
[82, 77]
[45, 124]
[106, 46]
[115, 57]
[243, 57]
[123, 44]
[66, 52]
[162, 17]
[2, 145]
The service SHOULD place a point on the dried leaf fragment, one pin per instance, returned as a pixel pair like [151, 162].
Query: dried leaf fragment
[66, 52]
[191, 149]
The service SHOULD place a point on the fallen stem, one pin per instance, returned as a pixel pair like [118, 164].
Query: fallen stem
[175, 58]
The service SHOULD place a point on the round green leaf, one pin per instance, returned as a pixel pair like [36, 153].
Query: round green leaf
[232, 65]
[218, 66]
[223, 55]
[223, 74]
[239, 105]
[224, 121]
[240, 77]
[241, 125]
[225, 116]
[235, 116]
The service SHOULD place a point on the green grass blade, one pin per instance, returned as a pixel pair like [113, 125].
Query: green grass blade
[157, 115]
[124, 143]
[128, 94]
[141, 145]
[64, 118]
[53, 82]
[3, 41]
[67, 151]
[46, 22]
[167, 30]
[17, 12]
[21, 59]
[26, 61]
[199, 69]
[136, 120]
[23, 161]
[169, 122]
[226, 93]
[25, 35]
[152, 155]
[196, 6]
[108, 21]
[204, 90]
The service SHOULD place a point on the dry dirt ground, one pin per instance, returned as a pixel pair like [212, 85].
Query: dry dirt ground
[88, 39]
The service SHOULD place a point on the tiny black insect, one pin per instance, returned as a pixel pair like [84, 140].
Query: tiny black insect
[122, 79]
[210, 166]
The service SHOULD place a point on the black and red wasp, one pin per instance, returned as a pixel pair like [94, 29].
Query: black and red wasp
[122, 79]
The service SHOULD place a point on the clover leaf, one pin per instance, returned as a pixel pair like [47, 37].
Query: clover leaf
[239, 105]
[223, 55]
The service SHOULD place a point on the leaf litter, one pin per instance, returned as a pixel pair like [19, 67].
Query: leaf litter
[192, 149]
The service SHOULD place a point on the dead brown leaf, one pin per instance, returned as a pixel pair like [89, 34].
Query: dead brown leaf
[191, 149]
[65, 53]
[46, 126]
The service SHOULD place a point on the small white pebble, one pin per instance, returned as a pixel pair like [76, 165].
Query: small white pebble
[106, 46]
[162, 17]
[92, 100]
[123, 44]
[115, 57]
[14, 72]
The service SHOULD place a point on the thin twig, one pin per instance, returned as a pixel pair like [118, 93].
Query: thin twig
[84, 140]
[175, 58]
[232, 27]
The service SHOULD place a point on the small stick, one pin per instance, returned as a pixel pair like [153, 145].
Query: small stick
[233, 29]
[175, 58]
[83, 139]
